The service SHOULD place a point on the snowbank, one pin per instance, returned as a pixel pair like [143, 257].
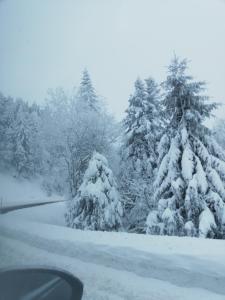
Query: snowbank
[116, 266]
[52, 214]
[15, 191]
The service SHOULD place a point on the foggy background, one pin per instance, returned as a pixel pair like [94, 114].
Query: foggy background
[48, 43]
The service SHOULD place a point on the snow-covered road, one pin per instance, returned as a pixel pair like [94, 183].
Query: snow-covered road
[119, 265]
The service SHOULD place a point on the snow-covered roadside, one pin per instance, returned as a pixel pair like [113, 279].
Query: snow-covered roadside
[48, 214]
[119, 265]
[102, 282]
[15, 191]
[53, 214]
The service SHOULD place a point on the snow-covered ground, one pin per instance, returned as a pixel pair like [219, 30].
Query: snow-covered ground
[15, 191]
[115, 266]
[49, 214]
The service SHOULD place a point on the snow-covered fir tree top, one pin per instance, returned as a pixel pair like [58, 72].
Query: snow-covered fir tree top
[185, 101]
[86, 93]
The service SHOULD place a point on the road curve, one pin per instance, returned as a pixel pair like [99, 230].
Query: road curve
[7, 209]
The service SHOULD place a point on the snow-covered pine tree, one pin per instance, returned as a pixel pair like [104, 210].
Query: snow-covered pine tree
[7, 108]
[86, 94]
[190, 182]
[142, 127]
[97, 204]
[154, 115]
[84, 132]
[24, 136]
[20, 136]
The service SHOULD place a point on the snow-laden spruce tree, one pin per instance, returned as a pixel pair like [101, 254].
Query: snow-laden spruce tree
[190, 182]
[97, 204]
[86, 94]
[23, 135]
[7, 112]
[142, 128]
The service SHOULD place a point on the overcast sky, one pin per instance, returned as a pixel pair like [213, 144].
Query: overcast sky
[47, 43]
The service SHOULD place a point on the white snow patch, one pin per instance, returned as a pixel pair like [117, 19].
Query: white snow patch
[116, 265]
[15, 191]
[49, 214]
[207, 222]
[187, 163]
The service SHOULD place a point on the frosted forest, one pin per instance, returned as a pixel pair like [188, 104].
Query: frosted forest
[159, 171]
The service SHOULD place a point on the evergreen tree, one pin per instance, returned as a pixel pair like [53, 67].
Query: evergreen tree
[22, 159]
[86, 94]
[142, 127]
[190, 181]
[20, 148]
[71, 131]
[23, 149]
[97, 204]
[154, 115]
[7, 109]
